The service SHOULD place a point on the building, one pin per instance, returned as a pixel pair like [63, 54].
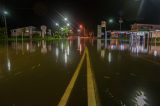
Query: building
[144, 31]
[144, 27]
[26, 31]
[101, 30]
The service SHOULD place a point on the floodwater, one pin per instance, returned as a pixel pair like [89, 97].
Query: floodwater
[37, 73]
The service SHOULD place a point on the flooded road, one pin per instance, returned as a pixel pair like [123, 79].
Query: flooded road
[37, 73]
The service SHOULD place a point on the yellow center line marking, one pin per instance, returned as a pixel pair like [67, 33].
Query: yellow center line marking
[66, 95]
[91, 92]
[90, 83]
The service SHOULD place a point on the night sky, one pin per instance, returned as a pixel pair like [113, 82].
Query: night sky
[86, 12]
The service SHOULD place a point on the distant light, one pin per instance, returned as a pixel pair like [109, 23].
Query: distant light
[5, 13]
[68, 24]
[80, 26]
[110, 20]
[57, 24]
[62, 28]
[78, 30]
[65, 19]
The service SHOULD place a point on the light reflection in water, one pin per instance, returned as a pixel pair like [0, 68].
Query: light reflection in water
[79, 45]
[99, 44]
[62, 46]
[65, 57]
[49, 47]
[80, 48]
[79, 42]
[103, 53]
[135, 47]
[57, 52]
[27, 47]
[109, 57]
[155, 53]
[121, 47]
[38, 44]
[68, 50]
[44, 48]
[66, 54]
[8, 64]
[140, 99]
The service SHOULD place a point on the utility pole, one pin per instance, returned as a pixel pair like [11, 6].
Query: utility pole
[120, 22]
[6, 26]
[5, 22]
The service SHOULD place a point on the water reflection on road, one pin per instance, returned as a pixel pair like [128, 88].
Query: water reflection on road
[122, 67]
[140, 99]
[37, 72]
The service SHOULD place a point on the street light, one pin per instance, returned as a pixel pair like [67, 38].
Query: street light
[68, 24]
[80, 26]
[65, 19]
[4, 14]
[120, 22]
[57, 24]
[110, 21]
[62, 28]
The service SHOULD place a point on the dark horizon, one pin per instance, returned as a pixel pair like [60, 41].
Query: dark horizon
[89, 13]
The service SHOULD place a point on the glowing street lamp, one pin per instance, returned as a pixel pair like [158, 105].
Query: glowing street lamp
[110, 21]
[5, 12]
[65, 19]
[68, 24]
[57, 24]
[80, 26]
[5, 20]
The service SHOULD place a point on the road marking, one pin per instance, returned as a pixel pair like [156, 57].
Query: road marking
[90, 83]
[151, 61]
[66, 95]
[91, 86]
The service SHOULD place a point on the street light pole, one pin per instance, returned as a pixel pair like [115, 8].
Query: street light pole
[120, 22]
[6, 31]
[5, 21]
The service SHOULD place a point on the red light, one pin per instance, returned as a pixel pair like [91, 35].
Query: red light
[80, 26]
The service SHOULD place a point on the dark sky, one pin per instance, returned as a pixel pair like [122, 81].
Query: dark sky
[87, 12]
